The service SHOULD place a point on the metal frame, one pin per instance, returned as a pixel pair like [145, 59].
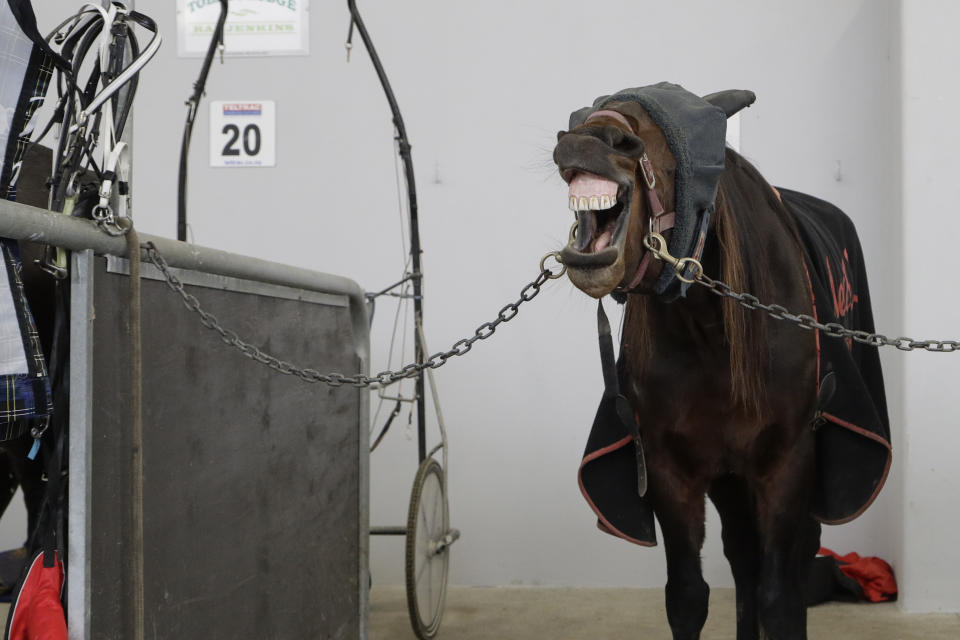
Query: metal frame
[217, 269]
[80, 445]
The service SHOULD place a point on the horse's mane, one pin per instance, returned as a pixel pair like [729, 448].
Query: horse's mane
[744, 199]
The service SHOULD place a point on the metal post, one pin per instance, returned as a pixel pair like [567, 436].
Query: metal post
[415, 249]
[192, 103]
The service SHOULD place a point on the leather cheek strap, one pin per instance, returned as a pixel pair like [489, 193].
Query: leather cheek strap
[660, 221]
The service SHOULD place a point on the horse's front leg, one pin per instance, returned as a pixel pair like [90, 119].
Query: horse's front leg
[680, 511]
[741, 545]
[789, 538]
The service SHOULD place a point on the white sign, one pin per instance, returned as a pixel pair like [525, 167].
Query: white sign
[243, 133]
[253, 27]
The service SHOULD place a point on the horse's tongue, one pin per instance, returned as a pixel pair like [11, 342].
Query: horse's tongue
[602, 242]
[586, 185]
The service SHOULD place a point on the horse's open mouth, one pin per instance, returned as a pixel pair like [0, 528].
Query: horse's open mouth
[601, 223]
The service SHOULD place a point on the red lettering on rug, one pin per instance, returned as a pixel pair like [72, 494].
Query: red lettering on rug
[843, 296]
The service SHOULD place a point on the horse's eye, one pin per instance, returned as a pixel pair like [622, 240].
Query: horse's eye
[629, 145]
[614, 136]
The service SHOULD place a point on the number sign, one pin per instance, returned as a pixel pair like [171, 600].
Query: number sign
[243, 133]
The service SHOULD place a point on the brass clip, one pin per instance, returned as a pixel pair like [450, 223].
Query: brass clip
[543, 265]
[660, 252]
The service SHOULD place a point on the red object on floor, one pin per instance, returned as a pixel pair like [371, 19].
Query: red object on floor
[874, 575]
[37, 611]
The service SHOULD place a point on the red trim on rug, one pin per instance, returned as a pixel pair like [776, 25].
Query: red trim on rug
[602, 523]
[813, 304]
[886, 470]
[619, 444]
[849, 425]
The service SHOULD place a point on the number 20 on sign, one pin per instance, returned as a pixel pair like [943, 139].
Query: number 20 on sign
[243, 133]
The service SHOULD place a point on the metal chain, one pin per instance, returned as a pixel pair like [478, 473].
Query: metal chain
[832, 329]
[383, 378]
[656, 244]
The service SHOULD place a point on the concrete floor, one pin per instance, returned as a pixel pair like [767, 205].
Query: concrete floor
[576, 614]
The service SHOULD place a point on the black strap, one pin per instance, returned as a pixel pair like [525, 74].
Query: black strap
[610, 382]
[192, 103]
[611, 393]
[386, 427]
[50, 528]
[22, 11]
[695, 250]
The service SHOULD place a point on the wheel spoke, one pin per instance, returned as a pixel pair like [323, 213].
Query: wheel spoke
[430, 593]
[421, 570]
[436, 505]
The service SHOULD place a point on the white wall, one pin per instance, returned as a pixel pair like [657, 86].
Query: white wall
[484, 87]
[930, 228]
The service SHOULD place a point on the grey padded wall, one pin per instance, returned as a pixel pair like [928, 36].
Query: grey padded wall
[254, 482]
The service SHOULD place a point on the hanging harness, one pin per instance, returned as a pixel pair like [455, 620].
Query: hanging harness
[90, 117]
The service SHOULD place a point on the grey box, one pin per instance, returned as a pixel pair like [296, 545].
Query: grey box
[255, 483]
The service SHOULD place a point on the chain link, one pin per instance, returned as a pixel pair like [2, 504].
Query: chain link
[657, 246]
[382, 379]
[508, 313]
[832, 329]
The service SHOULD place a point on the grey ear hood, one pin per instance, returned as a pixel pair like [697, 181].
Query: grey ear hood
[696, 131]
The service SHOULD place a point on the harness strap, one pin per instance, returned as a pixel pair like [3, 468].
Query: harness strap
[660, 221]
[611, 393]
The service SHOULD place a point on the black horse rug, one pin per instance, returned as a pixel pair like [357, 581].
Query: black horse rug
[851, 421]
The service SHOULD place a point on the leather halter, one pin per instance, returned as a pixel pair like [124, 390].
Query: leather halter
[660, 220]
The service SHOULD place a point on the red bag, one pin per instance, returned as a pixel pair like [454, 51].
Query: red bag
[37, 613]
[873, 575]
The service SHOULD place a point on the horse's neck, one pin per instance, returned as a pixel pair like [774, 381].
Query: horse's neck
[691, 329]
[695, 321]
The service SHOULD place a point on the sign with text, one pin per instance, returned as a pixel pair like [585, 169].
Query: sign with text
[253, 27]
[243, 133]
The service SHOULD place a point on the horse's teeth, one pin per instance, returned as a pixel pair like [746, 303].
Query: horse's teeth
[591, 203]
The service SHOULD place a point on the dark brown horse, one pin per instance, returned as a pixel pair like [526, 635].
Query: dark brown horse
[724, 397]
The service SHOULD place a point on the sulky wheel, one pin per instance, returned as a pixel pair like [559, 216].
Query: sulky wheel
[428, 549]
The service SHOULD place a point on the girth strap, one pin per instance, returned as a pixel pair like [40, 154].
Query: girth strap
[612, 393]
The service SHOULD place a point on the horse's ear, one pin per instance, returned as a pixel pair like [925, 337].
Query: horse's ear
[731, 100]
